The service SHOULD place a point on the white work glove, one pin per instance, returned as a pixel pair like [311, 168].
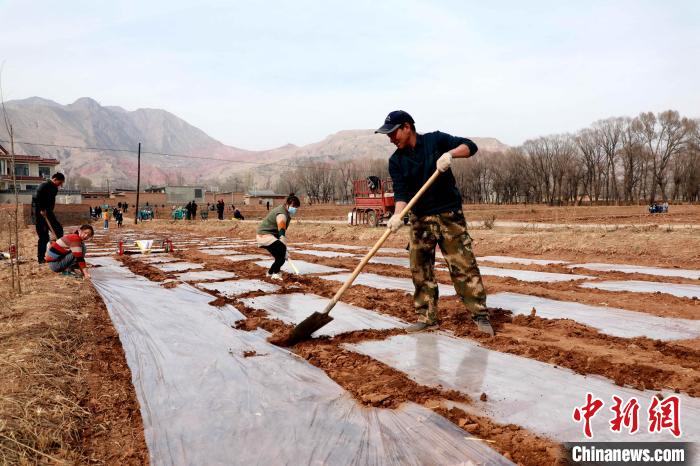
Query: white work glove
[444, 162]
[394, 223]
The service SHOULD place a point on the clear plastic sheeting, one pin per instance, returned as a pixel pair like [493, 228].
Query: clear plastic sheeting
[400, 261]
[219, 252]
[658, 271]
[520, 260]
[156, 259]
[178, 266]
[531, 275]
[638, 286]
[312, 252]
[304, 267]
[612, 321]
[245, 257]
[205, 275]
[203, 402]
[237, 287]
[393, 250]
[383, 282]
[293, 308]
[522, 391]
[338, 246]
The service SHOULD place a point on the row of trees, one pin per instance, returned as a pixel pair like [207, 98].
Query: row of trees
[620, 160]
[617, 160]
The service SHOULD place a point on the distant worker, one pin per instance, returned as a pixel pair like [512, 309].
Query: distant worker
[268, 205]
[105, 217]
[220, 209]
[436, 219]
[67, 254]
[119, 217]
[194, 210]
[238, 215]
[44, 203]
[188, 211]
[272, 233]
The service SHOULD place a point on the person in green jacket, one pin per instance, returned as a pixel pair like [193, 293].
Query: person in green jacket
[272, 233]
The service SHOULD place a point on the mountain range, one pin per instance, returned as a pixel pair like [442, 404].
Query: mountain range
[100, 143]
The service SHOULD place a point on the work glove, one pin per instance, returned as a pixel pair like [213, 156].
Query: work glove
[444, 162]
[394, 223]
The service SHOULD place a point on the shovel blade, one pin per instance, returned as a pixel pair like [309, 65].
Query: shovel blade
[306, 328]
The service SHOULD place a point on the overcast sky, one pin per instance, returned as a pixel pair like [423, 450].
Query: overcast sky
[259, 75]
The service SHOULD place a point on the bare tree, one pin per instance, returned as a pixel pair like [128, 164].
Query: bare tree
[16, 217]
[592, 157]
[664, 136]
[609, 132]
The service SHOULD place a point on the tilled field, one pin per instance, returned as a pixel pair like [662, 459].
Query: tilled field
[358, 360]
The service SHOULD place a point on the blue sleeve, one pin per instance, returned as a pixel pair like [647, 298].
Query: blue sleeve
[447, 142]
[397, 178]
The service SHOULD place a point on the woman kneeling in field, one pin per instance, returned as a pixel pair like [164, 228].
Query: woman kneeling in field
[67, 253]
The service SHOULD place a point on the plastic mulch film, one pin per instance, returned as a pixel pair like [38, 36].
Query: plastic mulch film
[303, 267]
[295, 307]
[236, 287]
[244, 257]
[219, 252]
[338, 246]
[626, 268]
[639, 286]
[522, 391]
[400, 261]
[383, 282]
[178, 266]
[531, 275]
[204, 402]
[609, 320]
[519, 260]
[312, 252]
[156, 259]
[204, 275]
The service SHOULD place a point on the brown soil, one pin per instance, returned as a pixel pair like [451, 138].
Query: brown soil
[639, 362]
[146, 270]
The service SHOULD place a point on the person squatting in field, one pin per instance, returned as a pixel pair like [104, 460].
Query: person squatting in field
[67, 253]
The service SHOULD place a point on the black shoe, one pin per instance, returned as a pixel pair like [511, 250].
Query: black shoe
[421, 327]
[484, 325]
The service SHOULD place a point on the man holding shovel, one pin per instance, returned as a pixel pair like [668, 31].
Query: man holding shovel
[44, 203]
[436, 218]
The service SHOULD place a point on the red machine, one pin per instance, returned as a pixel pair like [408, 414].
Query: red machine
[374, 201]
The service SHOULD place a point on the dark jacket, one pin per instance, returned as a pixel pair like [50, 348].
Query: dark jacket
[45, 197]
[411, 167]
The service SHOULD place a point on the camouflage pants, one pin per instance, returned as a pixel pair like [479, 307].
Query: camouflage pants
[449, 231]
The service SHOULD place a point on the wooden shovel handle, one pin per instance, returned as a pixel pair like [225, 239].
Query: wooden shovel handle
[378, 244]
[46, 219]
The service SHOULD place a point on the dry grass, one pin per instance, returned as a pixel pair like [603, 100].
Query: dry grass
[40, 420]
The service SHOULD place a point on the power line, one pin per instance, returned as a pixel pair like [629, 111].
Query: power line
[165, 154]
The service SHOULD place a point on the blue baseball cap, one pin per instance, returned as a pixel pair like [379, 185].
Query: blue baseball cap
[394, 120]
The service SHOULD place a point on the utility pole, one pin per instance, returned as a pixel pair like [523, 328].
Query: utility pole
[138, 186]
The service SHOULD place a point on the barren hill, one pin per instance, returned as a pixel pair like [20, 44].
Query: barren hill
[65, 130]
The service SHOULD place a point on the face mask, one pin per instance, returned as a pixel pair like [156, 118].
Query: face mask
[291, 210]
